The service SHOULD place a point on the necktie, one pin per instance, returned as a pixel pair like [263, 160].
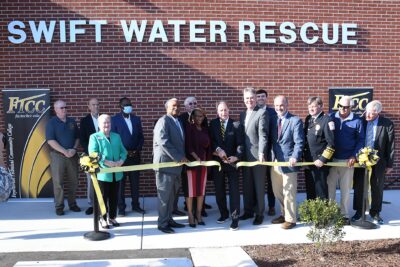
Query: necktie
[279, 127]
[179, 127]
[370, 135]
[223, 130]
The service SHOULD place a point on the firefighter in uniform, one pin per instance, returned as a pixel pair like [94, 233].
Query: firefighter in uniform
[319, 148]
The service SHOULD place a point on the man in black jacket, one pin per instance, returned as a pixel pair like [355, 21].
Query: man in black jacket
[227, 138]
[88, 126]
[380, 136]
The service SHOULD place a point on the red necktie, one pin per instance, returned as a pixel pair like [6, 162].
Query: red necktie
[279, 127]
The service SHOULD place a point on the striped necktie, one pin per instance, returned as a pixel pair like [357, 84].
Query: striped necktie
[222, 129]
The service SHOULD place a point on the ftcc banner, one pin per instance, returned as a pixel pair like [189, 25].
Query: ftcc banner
[27, 112]
[360, 96]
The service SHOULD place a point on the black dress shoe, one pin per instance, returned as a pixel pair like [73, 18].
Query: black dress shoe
[75, 208]
[204, 213]
[271, 211]
[207, 206]
[201, 223]
[258, 220]
[356, 216]
[59, 212]
[245, 216]
[174, 224]
[89, 211]
[166, 229]
[104, 224]
[222, 219]
[113, 222]
[138, 210]
[178, 213]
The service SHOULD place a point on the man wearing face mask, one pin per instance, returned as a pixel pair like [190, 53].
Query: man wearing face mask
[129, 127]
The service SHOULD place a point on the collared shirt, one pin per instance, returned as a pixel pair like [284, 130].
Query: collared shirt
[316, 116]
[283, 119]
[65, 133]
[348, 118]
[95, 122]
[225, 122]
[246, 120]
[129, 123]
[374, 124]
[178, 124]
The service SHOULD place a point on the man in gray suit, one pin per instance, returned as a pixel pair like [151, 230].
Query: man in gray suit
[255, 122]
[287, 145]
[168, 146]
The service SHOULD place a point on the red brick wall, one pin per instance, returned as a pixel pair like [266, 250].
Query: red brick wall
[150, 73]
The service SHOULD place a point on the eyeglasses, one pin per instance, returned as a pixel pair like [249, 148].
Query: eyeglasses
[192, 103]
[62, 107]
[344, 107]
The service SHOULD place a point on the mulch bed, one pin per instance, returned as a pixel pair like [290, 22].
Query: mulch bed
[385, 252]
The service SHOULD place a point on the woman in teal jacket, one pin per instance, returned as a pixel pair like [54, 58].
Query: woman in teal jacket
[112, 153]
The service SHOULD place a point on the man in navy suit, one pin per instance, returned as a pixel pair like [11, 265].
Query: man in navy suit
[227, 139]
[380, 136]
[287, 146]
[129, 127]
[89, 125]
[262, 96]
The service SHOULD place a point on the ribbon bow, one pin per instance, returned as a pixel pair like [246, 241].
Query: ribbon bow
[367, 157]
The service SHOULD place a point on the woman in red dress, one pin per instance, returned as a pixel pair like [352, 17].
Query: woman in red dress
[198, 148]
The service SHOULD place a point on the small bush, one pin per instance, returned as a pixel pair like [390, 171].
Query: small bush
[325, 219]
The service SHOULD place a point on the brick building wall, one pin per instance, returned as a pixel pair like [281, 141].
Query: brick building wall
[151, 72]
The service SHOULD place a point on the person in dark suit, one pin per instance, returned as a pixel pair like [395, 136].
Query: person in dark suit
[88, 126]
[168, 146]
[129, 127]
[287, 145]
[262, 96]
[255, 122]
[319, 148]
[227, 145]
[109, 147]
[380, 136]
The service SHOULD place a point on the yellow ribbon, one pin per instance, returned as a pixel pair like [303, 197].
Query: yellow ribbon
[90, 164]
[286, 164]
[157, 166]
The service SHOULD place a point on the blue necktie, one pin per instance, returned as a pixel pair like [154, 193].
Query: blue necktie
[370, 135]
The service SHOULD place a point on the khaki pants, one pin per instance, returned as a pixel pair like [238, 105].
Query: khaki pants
[345, 177]
[63, 167]
[284, 186]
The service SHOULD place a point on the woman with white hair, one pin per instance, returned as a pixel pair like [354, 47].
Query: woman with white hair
[112, 153]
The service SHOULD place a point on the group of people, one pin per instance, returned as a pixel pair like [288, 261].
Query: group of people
[261, 134]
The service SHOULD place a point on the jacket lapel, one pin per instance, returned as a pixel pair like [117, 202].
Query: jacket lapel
[285, 125]
[379, 129]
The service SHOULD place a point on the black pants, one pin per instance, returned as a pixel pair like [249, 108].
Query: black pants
[220, 191]
[109, 191]
[319, 176]
[270, 192]
[133, 178]
[377, 183]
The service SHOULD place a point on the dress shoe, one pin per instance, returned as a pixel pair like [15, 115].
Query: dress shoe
[271, 211]
[356, 216]
[104, 224]
[75, 208]
[166, 229]
[113, 222]
[377, 219]
[204, 213]
[288, 225]
[138, 210]
[178, 213]
[222, 219]
[174, 224]
[278, 220]
[246, 216]
[201, 223]
[59, 212]
[89, 211]
[207, 206]
[121, 213]
[234, 225]
[258, 220]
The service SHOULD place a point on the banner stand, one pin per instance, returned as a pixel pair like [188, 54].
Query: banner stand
[96, 235]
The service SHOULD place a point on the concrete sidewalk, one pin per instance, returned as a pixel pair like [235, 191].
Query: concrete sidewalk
[32, 226]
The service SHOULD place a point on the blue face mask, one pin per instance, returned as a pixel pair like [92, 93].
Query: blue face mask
[127, 109]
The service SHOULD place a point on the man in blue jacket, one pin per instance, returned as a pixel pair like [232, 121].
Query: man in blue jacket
[349, 139]
[287, 138]
[129, 127]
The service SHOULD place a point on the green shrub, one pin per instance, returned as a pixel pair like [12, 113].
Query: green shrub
[325, 219]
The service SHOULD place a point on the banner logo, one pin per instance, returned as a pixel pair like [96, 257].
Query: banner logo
[360, 97]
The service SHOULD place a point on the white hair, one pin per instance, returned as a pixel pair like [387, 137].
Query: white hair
[375, 104]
